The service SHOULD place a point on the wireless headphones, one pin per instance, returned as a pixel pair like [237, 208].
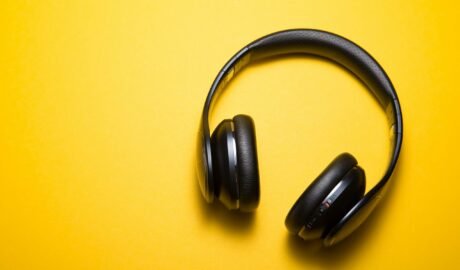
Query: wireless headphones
[334, 205]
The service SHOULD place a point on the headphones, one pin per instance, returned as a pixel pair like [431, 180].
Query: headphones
[334, 205]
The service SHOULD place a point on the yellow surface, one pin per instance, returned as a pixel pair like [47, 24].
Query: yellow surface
[99, 108]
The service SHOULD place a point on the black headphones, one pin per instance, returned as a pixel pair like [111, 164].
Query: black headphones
[334, 205]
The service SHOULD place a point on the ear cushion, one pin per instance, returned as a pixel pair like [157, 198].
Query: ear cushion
[247, 165]
[318, 190]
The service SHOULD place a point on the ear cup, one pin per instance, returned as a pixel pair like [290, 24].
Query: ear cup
[354, 186]
[224, 164]
[335, 205]
[317, 191]
[247, 165]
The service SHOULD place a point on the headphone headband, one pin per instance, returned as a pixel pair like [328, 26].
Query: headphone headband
[332, 47]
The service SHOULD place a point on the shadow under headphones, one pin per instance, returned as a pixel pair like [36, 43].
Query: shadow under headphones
[334, 205]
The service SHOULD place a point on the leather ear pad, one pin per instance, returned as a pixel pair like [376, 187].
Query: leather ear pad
[318, 190]
[247, 165]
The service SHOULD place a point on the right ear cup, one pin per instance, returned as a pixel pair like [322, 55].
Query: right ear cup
[310, 207]
[247, 165]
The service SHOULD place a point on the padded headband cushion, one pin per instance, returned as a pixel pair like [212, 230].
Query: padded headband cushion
[330, 46]
[247, 166]
[318, 190]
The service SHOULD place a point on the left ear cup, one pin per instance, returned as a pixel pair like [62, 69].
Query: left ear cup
[247, 165]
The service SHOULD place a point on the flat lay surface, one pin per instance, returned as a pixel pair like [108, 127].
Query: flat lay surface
[100, 105]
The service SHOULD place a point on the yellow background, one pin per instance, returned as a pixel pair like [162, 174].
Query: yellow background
[99, 109]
